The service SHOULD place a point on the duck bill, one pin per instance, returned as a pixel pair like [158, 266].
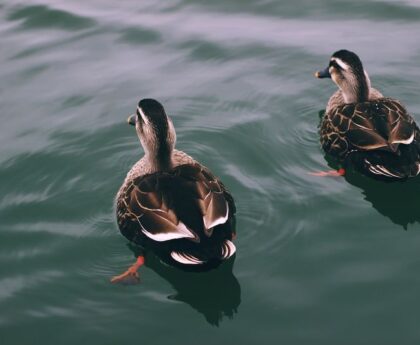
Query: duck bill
[323, 74]
[132, 120]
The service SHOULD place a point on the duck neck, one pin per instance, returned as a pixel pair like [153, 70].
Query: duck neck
[160, 160]
[357, 90]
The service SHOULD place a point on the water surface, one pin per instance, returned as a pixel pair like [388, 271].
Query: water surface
[319, 261]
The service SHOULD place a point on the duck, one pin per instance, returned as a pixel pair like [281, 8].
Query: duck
[363, 129]
[171, 204]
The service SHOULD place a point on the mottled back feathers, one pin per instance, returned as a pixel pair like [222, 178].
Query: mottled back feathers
[187, 202]
[382, 124]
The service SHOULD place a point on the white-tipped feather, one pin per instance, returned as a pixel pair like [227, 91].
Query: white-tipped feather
[186, 259]
[228, 249]
[359, 125]
[380, 170]
[218, 221]
[372, 169]
[181, 232]
[407, 141]
[386, 171]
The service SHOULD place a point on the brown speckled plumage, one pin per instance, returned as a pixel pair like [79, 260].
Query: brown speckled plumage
[170, 203]
[381, 124]
[374, 134]
[157, 203]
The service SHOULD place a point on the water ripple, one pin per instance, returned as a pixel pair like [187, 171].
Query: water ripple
[42, 17]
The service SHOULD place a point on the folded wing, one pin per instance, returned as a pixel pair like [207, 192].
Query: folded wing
[375, 125]
[188, 202]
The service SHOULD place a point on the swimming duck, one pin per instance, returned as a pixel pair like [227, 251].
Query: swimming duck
[171, 204]
[373, 133]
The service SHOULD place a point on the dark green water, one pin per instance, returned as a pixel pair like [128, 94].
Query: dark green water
[319, 261]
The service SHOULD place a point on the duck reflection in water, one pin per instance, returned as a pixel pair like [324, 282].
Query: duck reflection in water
[215, 293]
[396, 200]
[399, 201]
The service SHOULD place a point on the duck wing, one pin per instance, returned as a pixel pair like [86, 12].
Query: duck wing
[402, 128]
[187, 202]
[382, 124]
[334, 127]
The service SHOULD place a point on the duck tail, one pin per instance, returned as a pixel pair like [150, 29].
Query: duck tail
[389, 166]
[196, 258]
[384, 172]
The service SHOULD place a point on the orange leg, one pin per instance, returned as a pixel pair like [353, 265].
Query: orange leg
[339, 172]
[131, 276]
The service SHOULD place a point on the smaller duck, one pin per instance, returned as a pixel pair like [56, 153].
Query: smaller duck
[361, 127]
[171, 204]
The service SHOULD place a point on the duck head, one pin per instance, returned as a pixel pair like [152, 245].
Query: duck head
[155, 131]
[346, 70]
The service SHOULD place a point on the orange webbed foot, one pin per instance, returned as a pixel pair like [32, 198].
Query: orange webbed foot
[334, 173]
[128, 277]
[131, 276]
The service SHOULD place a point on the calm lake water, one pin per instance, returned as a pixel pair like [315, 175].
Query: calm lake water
[319, 260]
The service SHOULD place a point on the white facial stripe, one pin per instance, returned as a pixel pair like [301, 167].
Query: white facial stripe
[145, 119]
[340, 63]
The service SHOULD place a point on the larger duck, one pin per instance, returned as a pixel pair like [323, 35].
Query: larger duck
[171, 204]
[361, 127]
